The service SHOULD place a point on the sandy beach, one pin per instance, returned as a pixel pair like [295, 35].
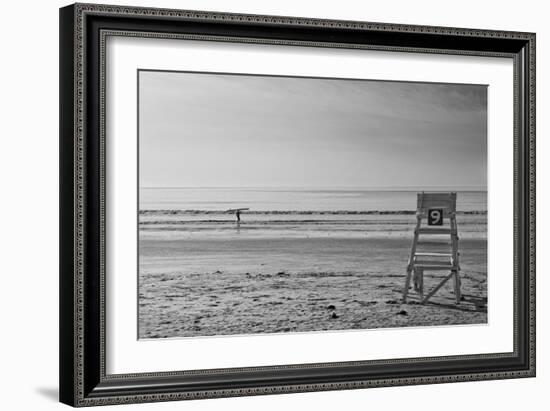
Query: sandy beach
[299, 260]
[233, 286]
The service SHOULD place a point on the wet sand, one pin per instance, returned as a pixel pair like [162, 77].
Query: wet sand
[228, 286]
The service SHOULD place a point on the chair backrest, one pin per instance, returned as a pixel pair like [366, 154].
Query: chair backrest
[439, 200]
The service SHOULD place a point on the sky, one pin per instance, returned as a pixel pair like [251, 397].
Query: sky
[221, 130]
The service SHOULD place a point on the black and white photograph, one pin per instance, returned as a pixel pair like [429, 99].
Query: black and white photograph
[287, 198]
[280, 204]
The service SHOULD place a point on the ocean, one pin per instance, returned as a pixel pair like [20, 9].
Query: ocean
[200, 213]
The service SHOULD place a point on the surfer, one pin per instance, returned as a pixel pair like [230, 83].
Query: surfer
[237, 212]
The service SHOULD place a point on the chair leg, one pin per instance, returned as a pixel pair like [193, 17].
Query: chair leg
[416, 280]
[411, 258]
[421, 281]
[407, 284]
[457, 286]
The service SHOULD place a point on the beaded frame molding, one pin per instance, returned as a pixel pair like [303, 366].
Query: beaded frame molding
[83, 32]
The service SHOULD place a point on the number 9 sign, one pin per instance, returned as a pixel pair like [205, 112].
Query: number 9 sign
[435, 216]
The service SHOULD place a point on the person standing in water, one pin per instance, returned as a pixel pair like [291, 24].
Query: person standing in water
[237, 212]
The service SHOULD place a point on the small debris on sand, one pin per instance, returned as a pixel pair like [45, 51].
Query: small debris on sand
[334, 315]
[331, 307]
[402, 312]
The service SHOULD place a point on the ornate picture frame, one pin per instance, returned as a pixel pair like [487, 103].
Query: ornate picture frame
[84, 30]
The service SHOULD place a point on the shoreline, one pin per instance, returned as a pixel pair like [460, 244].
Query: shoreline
[299, 212]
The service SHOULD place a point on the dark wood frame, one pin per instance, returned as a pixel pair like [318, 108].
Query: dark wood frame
[83, 29]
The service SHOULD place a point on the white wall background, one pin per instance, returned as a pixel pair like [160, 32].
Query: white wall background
[29, 204]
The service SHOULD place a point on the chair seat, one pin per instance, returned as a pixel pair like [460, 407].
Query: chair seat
[440, 266]
[439, 230]
[441, 255]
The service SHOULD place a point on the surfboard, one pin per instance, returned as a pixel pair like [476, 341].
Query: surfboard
[232, 210]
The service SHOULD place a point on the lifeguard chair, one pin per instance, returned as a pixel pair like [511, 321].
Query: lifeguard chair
[433, 211]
